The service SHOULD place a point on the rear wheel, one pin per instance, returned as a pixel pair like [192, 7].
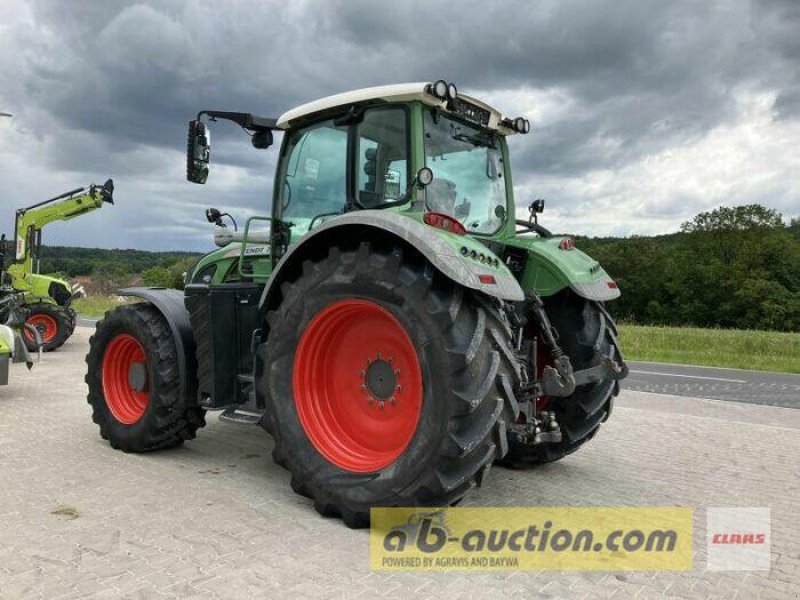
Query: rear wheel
[584, 328]
[387, 385]
[133, 382]
[53, 324]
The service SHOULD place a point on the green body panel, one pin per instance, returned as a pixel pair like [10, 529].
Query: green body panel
[36, 287]
[6, 354]
[548, 269]
[227, 262]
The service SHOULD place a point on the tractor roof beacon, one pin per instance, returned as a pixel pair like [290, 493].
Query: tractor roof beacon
[396, 329]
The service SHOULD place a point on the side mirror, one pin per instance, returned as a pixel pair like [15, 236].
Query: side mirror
[214, 216]
[537, 206]
[262, 139]
[198, 150]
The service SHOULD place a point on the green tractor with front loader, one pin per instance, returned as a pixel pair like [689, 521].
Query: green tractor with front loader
[47, 299]
[398, 329]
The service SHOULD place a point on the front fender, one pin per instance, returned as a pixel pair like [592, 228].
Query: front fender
[170, 304]
[449, 253]
[549, 269]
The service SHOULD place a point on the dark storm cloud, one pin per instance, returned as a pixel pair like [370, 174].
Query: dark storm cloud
[107, 86]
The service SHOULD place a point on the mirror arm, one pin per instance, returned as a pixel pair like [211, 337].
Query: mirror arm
[245, 120]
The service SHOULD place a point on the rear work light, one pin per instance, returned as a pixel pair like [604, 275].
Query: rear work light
[445, 222]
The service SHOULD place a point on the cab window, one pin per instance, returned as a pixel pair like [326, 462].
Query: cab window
[382, 156]
[314, 175]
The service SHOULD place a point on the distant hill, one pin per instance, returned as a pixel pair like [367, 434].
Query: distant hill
[75, 262]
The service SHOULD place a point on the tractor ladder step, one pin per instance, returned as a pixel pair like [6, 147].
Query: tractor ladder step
[240, 417]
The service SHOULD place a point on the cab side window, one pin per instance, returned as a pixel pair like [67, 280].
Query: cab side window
[314, 175]
[382, 156]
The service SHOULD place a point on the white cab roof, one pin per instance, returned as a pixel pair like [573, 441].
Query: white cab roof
[400, 92]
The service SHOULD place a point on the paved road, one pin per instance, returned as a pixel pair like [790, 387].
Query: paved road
[217, 518]
[755, 387]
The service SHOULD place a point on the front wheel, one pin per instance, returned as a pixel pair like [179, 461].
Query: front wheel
[133, 382]
[387, 385]
[53, 323]
[585, 330]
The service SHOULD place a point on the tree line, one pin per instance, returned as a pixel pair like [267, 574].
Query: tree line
[733, 267]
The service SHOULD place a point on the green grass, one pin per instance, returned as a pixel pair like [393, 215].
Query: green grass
[739, 349]
[94, 307]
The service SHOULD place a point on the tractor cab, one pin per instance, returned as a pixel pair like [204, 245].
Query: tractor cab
[413, 148]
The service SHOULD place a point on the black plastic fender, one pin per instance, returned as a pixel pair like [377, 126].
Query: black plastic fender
[366, 225]
[170, 303]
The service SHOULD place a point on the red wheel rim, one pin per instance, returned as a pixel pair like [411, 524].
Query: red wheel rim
[124, 353]
[357, 385]
[44, 324]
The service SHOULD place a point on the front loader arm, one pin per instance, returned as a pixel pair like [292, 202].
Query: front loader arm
[31, 220]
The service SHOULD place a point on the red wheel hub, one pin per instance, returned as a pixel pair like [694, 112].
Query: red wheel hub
[357, 385]
[44, 324]
[124, 373]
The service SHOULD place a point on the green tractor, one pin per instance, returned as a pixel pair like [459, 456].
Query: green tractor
[47, 299]
[397, 330]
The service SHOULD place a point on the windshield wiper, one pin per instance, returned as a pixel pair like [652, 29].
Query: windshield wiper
[476, 140]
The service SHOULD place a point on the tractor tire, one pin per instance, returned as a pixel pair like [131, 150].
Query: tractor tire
[53, 323]
[582, 326]
[133, 382]
[386, 384]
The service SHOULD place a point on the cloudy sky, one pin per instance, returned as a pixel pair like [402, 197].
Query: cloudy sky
[644, 112]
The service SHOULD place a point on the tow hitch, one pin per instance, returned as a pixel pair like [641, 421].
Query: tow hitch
[561, 380]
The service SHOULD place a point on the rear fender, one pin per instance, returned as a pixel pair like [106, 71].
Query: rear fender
[550, 268]
[450, 254]
[170, 304]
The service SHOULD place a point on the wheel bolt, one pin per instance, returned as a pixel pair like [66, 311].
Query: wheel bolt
[380, 404]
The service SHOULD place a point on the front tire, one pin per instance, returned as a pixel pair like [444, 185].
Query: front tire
[133, 382]
[52, 322]
[584, 328]
[387, 385]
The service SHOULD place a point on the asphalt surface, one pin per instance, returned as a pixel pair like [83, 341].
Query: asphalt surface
[733, 385]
